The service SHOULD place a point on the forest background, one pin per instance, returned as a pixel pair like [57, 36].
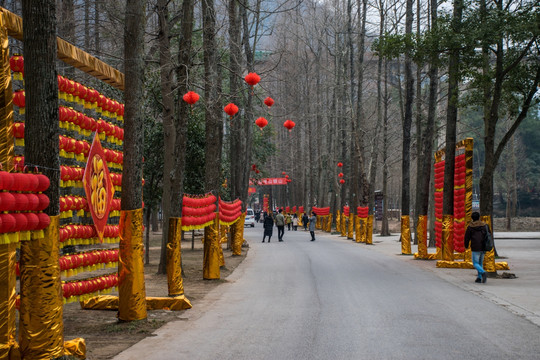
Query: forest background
[367, 83]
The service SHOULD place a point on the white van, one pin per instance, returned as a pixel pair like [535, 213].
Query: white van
[250, 218]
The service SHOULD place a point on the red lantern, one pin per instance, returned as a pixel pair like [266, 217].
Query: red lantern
[43, 202]
[252, 79]
[339, 164]
[16, 63]
[191, 97]
[269, 101]
[253, 167]
[231, 109]
[289, 124]
[18, 130]
[342, 181]
[261, 122]
[19, 99]
[340, 175]
[7, 201]
[44, 183]
[44, 221]
[7, 222]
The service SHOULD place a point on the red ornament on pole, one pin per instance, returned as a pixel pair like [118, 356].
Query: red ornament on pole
[269, 101]
[191, 97]
[261, 122]
[341, 181]
[16, 63]
[231, 109]
[19, 99]
[339, 164]
[340, 175]
[252, 79]
[289, 124]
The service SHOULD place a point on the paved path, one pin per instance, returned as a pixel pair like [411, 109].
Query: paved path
[335, 299]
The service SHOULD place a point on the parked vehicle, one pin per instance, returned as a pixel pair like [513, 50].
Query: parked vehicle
[250, 218]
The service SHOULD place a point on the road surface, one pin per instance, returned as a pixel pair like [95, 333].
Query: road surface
[335, 299]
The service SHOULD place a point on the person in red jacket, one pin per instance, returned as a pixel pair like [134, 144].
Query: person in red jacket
[475, 236]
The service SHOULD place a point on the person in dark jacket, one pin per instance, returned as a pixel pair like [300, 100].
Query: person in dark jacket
[474, 235]
[305, 220]
[268, 225]
[312, 223]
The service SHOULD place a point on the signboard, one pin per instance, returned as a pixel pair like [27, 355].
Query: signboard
[269, 181]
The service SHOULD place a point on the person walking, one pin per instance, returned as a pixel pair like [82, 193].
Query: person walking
[474, 235]
[280, 223]
[295, 222]
[268, 225]
[312, 223]
[305, 220]
[288, 221]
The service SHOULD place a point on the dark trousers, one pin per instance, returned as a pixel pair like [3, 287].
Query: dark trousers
[289, 226]
[312, 235]
[280, 231]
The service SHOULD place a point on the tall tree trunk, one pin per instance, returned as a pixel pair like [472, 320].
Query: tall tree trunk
[134, 98]
[384, 224]
[407, 118]
[169, 135]
[41, 151]
[97, 32]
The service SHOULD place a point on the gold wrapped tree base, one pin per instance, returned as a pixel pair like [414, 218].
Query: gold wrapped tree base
[427, 256]
[338, 222]
[174, 258]
[503, 265]
[7, 299]
[75, 347]
[211, 252]
[131, 288]
[109, 302]
[358, 230]
[421, 235]
[350, 227]
[237, 234]
[448, 237]
[369, 230]
[41, 327]
[405, 235]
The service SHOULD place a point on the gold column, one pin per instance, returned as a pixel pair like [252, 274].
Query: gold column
[7, 298]
[237, 233]
[405, 235]
[7, 251]
[222, 239]
[358, 229]
[174, 258]
[343, 225]
[131, 287]
[41, 330]
[363, 229]
[211, 251]
[338, 222]
[421, 234]
[447, 238]
[369, 231]
[330, 220]
[489, 257]
[350, 229]
[318, 223]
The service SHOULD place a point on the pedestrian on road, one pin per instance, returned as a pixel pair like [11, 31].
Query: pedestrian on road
[288, 221]
[295, 222]
[280, 223]
[268, 225]
[312, 222]
[475, 236]
[305, 220]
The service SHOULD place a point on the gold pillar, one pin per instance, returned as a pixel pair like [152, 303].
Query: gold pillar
[447, 238]
[369, 231]
[131, 288]
[343, 225]
[211, 251]
[7, 298]
[350, 227]
[421, 235]
[222, 239]
[358, 231]
[174, 258]
[363, 229]
[405, 235]
[41, 330]
[489, 257]
[7, 251]
[338, 222]
[237, 233]
[318, 222]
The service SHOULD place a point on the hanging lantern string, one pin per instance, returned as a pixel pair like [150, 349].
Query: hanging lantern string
[36, 167]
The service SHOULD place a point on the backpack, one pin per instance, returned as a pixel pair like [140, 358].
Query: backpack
[488, 240]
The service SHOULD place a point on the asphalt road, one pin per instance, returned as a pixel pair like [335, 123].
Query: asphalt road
[333, 299]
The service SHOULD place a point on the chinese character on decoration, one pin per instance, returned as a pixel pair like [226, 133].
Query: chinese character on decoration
[261, 122]
[98, 186]
[269, 102]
